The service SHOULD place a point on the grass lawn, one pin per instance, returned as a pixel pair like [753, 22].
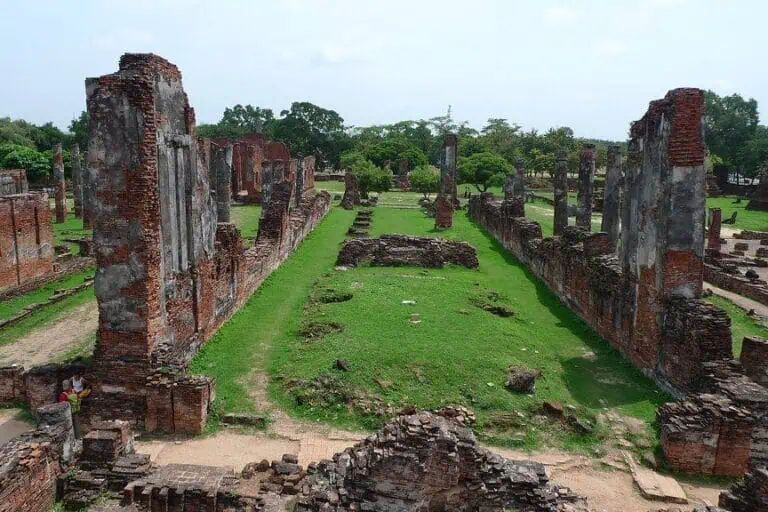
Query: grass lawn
[10, 307]
[246, 218]
[45, 315]
[456, 352]
[270, 317]
[741, 323]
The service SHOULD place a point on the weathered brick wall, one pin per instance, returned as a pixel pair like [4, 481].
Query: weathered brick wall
[26, 239]
[748, 495]
[13, 181]
[736, 284]
[754, 359]
[395, 250]
[168, 276]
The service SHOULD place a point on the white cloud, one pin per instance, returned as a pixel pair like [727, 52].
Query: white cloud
[611, 48]
[561, 16]
[125, 39]
[332, 55]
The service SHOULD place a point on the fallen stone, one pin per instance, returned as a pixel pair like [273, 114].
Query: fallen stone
[342, 364]
[250, 469]
[553, 409]
[251, 420]
[579, 426]
[654, 486]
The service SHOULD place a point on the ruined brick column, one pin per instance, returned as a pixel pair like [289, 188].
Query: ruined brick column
[351, 191]
[299, 179]
[713, 241]
[445, 203]
[77, 181]
[509, 187]
[612, 195]
[87, 183]
[560, 183]
[519, 183]
[61, 185]
[154, 228]
[221, 164]
[586, 175]
[662, 249]
[448, 154]
[402, 169]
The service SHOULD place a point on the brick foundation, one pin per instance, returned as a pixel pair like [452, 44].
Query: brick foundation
[13, 181]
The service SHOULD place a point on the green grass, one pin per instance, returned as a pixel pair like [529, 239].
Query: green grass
[10, 307]
[82, 348]
[45, 315]
[457, 353]
[246, 218]
[271, 314]
[745, 219]
[741, 323]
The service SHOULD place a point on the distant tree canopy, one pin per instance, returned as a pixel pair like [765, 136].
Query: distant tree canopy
[484, 170]
[425, 180]
[733, 134]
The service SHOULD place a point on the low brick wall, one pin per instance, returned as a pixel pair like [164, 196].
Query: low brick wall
[31, 462]
[395, 250]
[736, 284]
[752, 235]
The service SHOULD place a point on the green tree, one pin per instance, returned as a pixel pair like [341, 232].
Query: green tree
[79, 129]
[17, 132]
[484, 170]
[38, 164]
[394, 150]
[729, 124]
[309, 129]
[425, 179]
[247, 119]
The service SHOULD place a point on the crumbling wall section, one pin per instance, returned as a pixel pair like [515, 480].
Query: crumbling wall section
[26, 239]
[13, 181]
[395, 250]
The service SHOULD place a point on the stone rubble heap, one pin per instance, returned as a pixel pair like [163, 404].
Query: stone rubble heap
[395, 250]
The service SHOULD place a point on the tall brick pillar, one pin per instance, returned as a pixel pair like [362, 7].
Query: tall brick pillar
[560, 184]
[713, 240]
[77, 181]
[519, 183]
[586, 176]
[299, 180]
[154, 226]
[662, 249]
[612, 195]
[87, 185]
[448, 155]
[221, 164]
[509, 187]
[61, 185]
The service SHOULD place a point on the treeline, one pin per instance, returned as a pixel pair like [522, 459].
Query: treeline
[733, 134]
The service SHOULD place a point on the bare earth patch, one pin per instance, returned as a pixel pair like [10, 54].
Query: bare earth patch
[43, 344]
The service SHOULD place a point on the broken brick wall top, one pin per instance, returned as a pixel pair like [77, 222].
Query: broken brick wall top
[26, 239]
[13, 181]
[394, 250]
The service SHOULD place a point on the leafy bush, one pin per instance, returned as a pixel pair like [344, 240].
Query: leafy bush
[37, 164]
[425, 179]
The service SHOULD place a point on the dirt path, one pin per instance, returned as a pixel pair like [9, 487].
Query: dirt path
[11, 426]
[45, 343]
[743, 302]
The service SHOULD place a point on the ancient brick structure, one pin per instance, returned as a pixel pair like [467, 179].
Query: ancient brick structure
[445, 203]
[26, 239]
[560, 183]
[518, 189]
[221, 174]
[425, 461]
[714, 237]
[509, 186]
[754, 359]
[77, 180]
[395, 250]
[584, 197]
[759, 199]
[448, 155]
[168, 276]
[748, 495]
[612, 195]
[351, 191]
[305, 177]
[403, 167]
[61, 185]
[13, 181]
[32, 462]
[88, 185]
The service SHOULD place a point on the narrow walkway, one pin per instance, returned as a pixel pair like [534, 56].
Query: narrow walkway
[743, 302]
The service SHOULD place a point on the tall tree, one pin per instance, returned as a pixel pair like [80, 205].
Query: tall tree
[79, 129]
[729, 123]
[309, 129]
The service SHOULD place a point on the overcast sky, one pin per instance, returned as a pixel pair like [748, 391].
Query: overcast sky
[591, 65]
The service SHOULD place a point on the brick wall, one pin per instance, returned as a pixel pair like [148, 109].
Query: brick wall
[736, 284]
[26, 239]
[168, 276]
[13, 181]
[754, 359]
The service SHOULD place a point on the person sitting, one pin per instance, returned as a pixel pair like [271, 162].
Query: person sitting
[80, 385]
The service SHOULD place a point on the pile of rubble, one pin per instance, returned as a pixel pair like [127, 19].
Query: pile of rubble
[395, 250]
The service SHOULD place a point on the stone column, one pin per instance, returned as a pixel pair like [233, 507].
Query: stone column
[444, 204]
[221, 163]
[448, 153]
[586, 175]
[519, 183]
[509, 186]
[299, 180]
[612, 195]
[714, 229]
[77, 181]
[560, 183]
[662, 239]
[61, 185]
[351, 191]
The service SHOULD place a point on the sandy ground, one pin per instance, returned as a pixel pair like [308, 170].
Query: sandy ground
[44, 344]
[10, 426]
